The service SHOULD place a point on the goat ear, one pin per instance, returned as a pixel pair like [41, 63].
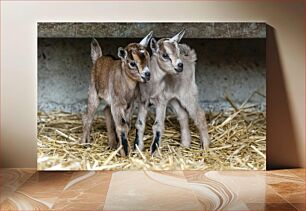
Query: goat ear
[153, 45]
[122, 53]
[178, 36]
[145, 41]
[96, 51]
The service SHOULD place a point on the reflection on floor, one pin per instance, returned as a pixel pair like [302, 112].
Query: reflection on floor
[27, 189]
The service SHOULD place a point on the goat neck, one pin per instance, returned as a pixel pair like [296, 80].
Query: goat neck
[157, 72]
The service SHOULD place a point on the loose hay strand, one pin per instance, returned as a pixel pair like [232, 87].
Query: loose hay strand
[64, 135]
[111, 156]
[259, 152]
[238, 141]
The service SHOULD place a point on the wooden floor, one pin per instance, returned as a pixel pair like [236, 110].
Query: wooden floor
[27, 189]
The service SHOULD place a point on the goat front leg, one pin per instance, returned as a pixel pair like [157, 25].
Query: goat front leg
[129, 113]
[121, 128]
[198, 116]
[182, 117]
[111, 130]
[93, 103]
[158, 127]
[140, 124]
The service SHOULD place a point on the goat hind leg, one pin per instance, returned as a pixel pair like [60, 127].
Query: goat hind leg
[93, 103]
[121, 129]
[158, 127]
[129, 113]
[182, 117]
[140, 125]
[198, 116]
[111, 130]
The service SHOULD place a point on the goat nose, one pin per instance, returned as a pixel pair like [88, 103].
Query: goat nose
[180, 65]
[147, 74]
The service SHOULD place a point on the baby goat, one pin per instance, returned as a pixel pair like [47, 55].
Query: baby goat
[114, 81]
[172, 81]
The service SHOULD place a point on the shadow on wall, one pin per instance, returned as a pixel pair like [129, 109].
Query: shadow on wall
[281, 141]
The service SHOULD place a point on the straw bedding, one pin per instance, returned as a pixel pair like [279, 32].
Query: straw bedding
[238, 141]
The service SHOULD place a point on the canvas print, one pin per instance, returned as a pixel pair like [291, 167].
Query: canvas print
[151, 96]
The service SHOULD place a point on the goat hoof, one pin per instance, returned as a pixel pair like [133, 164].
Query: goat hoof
[186, 144]
[86, 145]
[85, 141]
[155, 143]
[122, 153]
[155, 153]
[154, 150]
[140, 147]
[185, 139]
[112, 145]
[205, 146]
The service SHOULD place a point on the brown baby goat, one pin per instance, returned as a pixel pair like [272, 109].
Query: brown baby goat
[114, 81]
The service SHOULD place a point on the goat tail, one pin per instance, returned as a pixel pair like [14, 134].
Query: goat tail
[188, 53]
[96, 51]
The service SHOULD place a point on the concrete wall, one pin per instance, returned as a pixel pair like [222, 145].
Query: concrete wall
[234, 67]
[141, 29]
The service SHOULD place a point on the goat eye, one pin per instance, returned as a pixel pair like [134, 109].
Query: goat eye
[133, 64]
[165, 56]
